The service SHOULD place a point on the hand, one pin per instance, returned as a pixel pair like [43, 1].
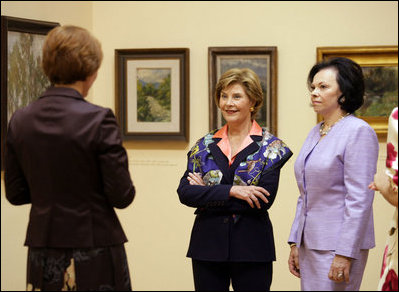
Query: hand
[339, 270]
[195, 179]
[293, 262]
[250, 194]
[381, 183]
[373, 186]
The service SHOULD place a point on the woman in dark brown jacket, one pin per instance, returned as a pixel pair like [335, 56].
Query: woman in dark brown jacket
[64, 156]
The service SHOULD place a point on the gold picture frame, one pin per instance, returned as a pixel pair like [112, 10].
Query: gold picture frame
[368, 57]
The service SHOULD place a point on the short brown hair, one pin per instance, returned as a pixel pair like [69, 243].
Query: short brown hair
[249, 81]
[70, 54]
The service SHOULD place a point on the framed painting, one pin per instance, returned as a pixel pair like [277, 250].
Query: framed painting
[152, 93]
[22, 79]
[263, 61]
[380, 69]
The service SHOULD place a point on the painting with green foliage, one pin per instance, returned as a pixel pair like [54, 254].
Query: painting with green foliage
[381, 91]
[26, 80]
[153, 95]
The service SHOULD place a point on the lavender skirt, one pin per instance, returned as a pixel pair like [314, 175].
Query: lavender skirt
[315, 265]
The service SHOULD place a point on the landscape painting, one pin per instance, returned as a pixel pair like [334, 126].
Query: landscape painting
[381, 91]
[153, 95]
[22, 79]
[25, 78]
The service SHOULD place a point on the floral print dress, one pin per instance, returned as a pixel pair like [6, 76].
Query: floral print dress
[389, 271]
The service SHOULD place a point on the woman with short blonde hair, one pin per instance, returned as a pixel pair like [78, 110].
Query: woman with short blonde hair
[250, 83]
[232, 180]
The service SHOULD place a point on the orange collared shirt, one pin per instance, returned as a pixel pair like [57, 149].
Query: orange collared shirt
[224, 143]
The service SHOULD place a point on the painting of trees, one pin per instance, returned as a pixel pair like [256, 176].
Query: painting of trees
[26, 80]
[153, 95]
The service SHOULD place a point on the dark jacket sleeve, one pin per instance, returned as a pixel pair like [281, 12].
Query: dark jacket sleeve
[202, 196]
[113, 160]
[269, 181]
[16, 186]
[216, 198]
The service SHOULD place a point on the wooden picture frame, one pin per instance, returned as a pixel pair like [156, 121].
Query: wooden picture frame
[22, 79]
[263, 61]
[152, 93]
[381, 93]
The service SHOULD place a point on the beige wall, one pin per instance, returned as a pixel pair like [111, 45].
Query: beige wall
[157, 225]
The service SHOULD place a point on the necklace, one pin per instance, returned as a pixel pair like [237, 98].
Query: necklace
[325, 131]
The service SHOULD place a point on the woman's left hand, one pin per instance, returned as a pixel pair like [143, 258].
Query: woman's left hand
[195, 179]
[339, 270]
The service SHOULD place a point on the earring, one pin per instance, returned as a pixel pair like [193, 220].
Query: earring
[251, 109]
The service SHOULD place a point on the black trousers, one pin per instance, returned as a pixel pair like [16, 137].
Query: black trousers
[244, 276]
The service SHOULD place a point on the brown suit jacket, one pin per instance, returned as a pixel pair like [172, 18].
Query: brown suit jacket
[64, 156]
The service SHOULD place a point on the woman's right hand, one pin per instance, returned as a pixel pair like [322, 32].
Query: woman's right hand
[195, 179]
[250, 194]
[293, 262]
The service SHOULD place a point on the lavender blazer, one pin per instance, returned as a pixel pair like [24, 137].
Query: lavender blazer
[334, 209]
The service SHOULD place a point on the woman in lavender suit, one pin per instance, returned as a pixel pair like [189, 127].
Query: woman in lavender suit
[333, 226]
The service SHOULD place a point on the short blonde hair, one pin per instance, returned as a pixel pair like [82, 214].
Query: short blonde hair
[70, 54]
[249, 81]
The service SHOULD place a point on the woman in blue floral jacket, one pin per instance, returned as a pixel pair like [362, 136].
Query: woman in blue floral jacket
[232, 180]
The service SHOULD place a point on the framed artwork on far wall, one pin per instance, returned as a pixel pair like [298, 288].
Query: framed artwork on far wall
[263, 61]
[380, 70]
[22, 79]
[152, 93]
